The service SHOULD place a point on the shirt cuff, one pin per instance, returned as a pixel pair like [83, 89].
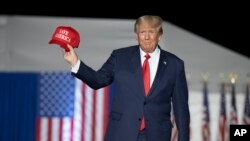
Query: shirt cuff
[75, 68]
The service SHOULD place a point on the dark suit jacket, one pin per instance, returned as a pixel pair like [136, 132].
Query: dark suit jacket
[123, 68]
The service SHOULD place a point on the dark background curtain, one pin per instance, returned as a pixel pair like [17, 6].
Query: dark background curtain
[18, 106]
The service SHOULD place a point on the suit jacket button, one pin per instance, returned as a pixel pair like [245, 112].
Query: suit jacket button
[139, 119]
[144, 103]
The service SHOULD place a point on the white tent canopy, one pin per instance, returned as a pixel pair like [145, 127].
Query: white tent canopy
[24, 47]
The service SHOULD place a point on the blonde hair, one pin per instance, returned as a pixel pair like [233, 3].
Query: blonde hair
[155, 21]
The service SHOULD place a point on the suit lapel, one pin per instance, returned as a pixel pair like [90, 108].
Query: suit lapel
[160, 71]
[136, 63]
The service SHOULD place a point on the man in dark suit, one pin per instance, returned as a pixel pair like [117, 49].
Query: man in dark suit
[147, 80]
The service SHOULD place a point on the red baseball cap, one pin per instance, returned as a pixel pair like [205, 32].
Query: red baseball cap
[64, 35]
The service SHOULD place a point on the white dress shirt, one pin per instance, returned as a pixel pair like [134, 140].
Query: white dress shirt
[76, 67]
[153, 62]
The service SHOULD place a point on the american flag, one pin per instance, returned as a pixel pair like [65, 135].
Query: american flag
[205, 115]
[246, 113]
[233, 113]
[223, 127]
[69, 110]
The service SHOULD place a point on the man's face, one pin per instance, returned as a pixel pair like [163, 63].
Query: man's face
[147, 37]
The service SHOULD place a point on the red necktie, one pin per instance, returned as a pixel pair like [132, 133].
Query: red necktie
[146, 74]
[146, 80]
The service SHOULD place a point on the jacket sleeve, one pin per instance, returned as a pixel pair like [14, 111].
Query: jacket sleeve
[180, 104]
[97, 79]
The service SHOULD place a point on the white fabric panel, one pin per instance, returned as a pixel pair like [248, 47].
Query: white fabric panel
[29, 37]
[4, 53]
[24, 47]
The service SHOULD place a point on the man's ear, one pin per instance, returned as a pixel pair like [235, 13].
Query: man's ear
[159, 38]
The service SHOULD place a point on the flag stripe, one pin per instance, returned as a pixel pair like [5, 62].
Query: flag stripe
[60, 129]
[55, 127]
[83, 112]
[93, 115]
[44, 129]
[67, 125]
[38, 127]
[78, 111]
[72, 130]
[88, 114]
[49, 129]
[106, 110]
[99, 114]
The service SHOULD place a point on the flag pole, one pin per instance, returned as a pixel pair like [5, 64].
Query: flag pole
[223, 127]
[246, 110]
[205, 109]
[234, 117]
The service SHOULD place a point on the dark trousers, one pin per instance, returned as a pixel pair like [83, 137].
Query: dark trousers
[142, 135]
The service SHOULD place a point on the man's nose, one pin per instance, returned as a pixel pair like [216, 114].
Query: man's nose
[147, 36]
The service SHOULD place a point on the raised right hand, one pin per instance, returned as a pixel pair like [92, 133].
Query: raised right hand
[70, 56]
